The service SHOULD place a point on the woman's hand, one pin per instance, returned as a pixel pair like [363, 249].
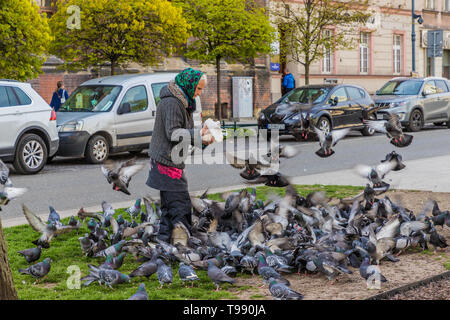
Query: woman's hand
[207, 137]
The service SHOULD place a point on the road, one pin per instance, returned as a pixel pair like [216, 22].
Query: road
[68, 184]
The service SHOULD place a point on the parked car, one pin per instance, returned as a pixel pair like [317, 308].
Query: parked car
[331, 106]
[416, 101]
[28, 134]
[111, 114]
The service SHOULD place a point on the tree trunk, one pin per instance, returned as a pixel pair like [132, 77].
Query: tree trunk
[219, 103]
[306, 74]
[113, 67]
[7, 289]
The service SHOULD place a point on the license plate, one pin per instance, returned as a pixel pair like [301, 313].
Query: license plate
[275, 126]
[380, 116]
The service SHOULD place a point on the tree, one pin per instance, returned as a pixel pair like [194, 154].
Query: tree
[303, 27]
[88, 33]
[232, 30]
[24, 35]
[7, 289]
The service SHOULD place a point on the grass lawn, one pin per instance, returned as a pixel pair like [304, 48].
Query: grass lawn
[65, 251]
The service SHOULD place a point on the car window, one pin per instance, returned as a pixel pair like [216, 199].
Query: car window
[341, 94]
[430, 87]
[305, 95]
[13, 99]
[441, 86]
[23, 98]
[156, 89]
[137, 98]
[354, 93]
[4, 101]
[362, 92]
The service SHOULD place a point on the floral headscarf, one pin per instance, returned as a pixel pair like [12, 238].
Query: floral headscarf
[188, 80]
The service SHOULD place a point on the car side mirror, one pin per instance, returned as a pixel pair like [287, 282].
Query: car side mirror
[124, 108]
[334, 101]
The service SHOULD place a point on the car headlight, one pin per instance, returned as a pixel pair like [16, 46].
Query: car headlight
[71, 126]
[296, 117]
[398, 104]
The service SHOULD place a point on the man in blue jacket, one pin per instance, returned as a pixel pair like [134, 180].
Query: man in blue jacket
[288, 82]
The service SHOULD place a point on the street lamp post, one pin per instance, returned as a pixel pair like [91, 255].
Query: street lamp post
[414, 16]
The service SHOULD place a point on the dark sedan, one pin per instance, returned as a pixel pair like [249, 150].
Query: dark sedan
[327, 106]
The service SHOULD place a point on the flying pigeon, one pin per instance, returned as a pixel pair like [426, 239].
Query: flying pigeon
[393, 130]
[329, 140]
[376, 174]
[121, 177]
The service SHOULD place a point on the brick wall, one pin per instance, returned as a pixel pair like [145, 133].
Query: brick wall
[45, 84]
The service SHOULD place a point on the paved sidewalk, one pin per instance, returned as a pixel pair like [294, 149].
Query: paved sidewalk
[428, 174]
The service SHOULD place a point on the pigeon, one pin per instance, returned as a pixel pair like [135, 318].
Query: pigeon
[329, 140]
[437, 240]
[48, 231]
[249, 263]
[393, 130]
[121, 177]
[54, 216]
[107, 277]
[87, 244]
[280, 291]
[141, 293]
[267, 272]
[146, 269]
[10, 193]
[217, 275]
[113, 263]
[187, 273]
[229, 270]
[271, 180]
[113, 250]
[250, 165]
[135, 209]
[164, 273]
[376, 174]
[38, 270]
[396, 158]
[32, 254]
[366, 270]
[4, 173]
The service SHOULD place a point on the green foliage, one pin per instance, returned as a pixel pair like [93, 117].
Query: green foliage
[235, 30]
[117, 31]
[24, 35]
[303, 26]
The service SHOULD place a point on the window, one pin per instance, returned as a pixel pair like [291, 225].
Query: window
[397, 53]
[341, 94]
[441, 86]
[429, 4]
[304, 95]
[13, 99]
[92, 98]
[17, 97]
[156, 89]
[354, 93]
[4, 101]
[430, 88]
[23, 98]
[364, 52]
[447, 5]
[137, 98]
[326, 62]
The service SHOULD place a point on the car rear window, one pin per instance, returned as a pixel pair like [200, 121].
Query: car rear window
[13, 96]
[23, 98]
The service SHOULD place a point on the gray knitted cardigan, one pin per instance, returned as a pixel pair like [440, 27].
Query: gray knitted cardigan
[172, 120]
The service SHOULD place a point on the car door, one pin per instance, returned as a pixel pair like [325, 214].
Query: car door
[11, 119]
[430, 101]
[357, 105]
[340, 111]
[443, 99]
[133, 117]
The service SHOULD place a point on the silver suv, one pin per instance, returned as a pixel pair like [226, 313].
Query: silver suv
[28, 134]
[112, 114]
[417, 101]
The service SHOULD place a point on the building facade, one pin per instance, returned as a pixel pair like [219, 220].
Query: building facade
[384, 47]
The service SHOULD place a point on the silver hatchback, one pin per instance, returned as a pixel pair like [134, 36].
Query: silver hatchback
[417, 101]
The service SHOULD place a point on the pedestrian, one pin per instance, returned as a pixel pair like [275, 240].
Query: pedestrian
[288, 82]
[59, 96]
[174, 118]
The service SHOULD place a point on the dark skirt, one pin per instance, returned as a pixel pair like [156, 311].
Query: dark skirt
[166, 178]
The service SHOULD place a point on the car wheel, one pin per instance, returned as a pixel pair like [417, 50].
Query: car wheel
[31, 154]
[97, 150]
[415, 121]
[368, 132]
[324, 124]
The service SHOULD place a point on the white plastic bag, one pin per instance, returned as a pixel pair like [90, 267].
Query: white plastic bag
[215, 129]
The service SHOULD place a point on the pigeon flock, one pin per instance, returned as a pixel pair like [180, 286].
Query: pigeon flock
[242, 234]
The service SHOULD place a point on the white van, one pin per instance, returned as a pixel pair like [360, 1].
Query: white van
[112, 114]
